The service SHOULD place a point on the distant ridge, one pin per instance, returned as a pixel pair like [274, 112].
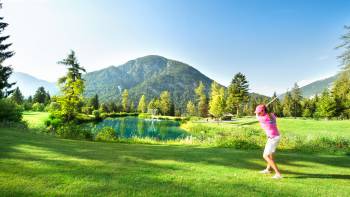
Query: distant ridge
[316, 87]
[29, 84]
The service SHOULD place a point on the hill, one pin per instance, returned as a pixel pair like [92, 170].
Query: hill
[149, 75]
[316, 87]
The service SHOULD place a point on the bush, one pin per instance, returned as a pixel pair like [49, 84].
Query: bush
[53, 122]
[22, 125]
[73, 131]
[27, 106]
[106, 134]
[39, 107]
[54, 106]
[97, 114]
[10, 111]
[87, 110]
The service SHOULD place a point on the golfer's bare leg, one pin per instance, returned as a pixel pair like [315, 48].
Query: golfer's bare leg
[268, 167]
[272, 164]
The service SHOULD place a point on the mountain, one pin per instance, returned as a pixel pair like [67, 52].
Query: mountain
[149, 75]
[316, 87]
[29, 84]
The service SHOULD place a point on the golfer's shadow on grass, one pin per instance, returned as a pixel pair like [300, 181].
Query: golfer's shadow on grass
[317, 176]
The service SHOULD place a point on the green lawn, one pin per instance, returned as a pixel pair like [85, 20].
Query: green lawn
[315, 127]
[289, 126]
[35, 119]
[42, 165]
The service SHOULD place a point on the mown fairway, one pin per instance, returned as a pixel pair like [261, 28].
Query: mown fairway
[288, 126]
[35, 119]
[42, 165]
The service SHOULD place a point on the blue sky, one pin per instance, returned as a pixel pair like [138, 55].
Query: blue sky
[274, 43]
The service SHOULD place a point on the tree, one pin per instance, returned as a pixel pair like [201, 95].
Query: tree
[72, 88]
[201, 100]
[73, 66]
[217, 102]
[132, 107]
[341, 87]
[237, 93]
[47, 98]
[296, 98]
[191, 109]
[5, 71]
[94, 102]
[112, 107]
[104, 108]
[142, 107]
[28, 103]
[153, 105]
[17, 96]
[125, 101]
[276, 106]
[164, 103]
[40, 95]
[326, 106]
[287, 104]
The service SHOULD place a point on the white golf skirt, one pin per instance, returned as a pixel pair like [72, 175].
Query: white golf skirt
[271, 145]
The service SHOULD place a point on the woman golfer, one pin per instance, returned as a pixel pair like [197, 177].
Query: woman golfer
[268, 123]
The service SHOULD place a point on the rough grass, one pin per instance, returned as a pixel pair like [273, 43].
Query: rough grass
[41, 165]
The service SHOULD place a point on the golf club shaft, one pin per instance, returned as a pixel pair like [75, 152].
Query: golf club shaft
[271, 101]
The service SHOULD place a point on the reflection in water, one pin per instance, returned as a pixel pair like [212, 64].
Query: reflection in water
[127, 127]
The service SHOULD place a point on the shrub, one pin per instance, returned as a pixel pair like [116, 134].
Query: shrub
[22, 125]
[39, 107]
[87, 110]
[10, 111]
[97, 114]
[106, 134]
[53, 122]
[27, 106]
[73, 131]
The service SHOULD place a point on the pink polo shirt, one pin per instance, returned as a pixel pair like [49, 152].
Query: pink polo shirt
[269, 125]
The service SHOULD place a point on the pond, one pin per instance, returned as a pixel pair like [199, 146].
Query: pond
[128, 127]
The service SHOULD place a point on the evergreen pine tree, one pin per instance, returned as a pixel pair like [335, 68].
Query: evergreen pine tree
[17, 96]
[341, 87]
[72, 88]
[326, 106]
[5, 71]
[296, 98]
[237, 94]
[40, 95]
[287, 105]
[94, 102]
